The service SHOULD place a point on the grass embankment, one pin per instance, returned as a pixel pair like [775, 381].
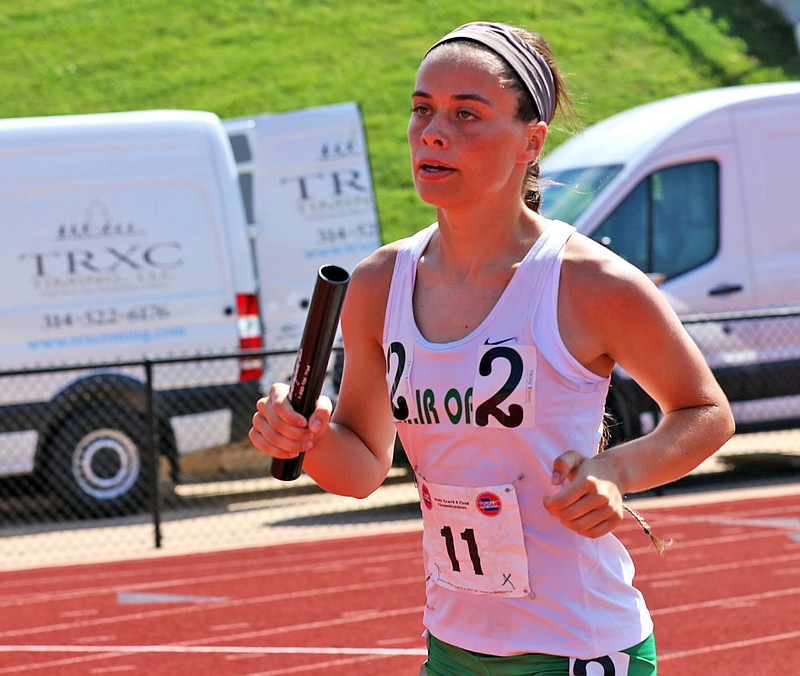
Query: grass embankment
[238, 57]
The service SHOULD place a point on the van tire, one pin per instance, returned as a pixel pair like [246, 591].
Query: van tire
[98, 463]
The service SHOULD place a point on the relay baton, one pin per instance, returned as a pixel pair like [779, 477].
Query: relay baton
[311, 363]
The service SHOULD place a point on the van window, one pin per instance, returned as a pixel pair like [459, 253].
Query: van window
[567, 194]
[241, 148]
[246, 186]
[669, 223]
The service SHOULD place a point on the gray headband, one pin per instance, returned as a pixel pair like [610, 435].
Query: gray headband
[523, 59]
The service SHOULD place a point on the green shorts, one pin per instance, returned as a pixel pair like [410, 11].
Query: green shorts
[447, 660]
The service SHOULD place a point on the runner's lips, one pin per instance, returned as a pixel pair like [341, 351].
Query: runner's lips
[434, 167]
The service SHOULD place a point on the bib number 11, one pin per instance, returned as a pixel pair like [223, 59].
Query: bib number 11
[468, 536]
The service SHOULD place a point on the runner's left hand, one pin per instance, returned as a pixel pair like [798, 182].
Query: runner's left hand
[589, 502]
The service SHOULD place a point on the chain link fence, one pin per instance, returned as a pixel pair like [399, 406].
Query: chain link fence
[755, 357]
[89, 442]
[124, 459]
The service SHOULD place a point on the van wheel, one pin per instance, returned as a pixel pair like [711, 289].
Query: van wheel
[99, 465]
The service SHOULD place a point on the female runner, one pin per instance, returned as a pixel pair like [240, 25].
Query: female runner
[487, 340]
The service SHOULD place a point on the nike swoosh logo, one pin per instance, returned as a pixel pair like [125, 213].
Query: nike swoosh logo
[499, 342]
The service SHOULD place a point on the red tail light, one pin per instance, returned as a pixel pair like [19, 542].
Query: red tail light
[249, 323]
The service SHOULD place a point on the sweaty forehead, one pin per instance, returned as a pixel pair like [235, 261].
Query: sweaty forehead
[466, 55]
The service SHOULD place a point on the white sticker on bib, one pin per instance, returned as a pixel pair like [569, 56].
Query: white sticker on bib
[473, 539]
[503, 392]
[615, 664]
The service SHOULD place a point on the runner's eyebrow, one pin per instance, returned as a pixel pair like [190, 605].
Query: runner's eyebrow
[456, 97]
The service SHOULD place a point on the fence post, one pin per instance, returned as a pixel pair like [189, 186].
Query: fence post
[152, 449]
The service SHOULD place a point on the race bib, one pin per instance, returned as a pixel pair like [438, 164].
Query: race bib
[473, 539]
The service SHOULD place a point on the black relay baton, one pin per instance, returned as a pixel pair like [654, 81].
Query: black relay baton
[314, 354]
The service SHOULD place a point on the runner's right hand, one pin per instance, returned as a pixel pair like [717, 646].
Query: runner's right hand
[281, 431]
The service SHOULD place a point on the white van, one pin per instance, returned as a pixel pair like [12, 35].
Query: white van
[310, 201]
[123, 237]
[701, 192]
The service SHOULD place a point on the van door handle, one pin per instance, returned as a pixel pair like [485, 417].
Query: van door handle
[724, 289]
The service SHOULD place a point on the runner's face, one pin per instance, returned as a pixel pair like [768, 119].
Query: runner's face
[465, 140]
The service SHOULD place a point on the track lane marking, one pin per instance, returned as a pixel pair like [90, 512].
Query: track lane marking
[208, 607]
[717, 567]
[744, 643]
[211, 650]
[715, 603]
[29, 598]
[94, 653]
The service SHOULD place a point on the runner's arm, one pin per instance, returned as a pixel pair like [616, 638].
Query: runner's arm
[614, 315]
[351, 453]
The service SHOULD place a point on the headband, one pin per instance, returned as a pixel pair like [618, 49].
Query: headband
[523, 59]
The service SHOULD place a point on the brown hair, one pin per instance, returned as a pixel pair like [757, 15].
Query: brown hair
[527, 112]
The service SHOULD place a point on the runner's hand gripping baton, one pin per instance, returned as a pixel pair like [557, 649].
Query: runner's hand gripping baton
[312, 359]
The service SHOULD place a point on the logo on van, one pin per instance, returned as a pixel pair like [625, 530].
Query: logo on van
[98, 254]
[98, 222]
[323, 195]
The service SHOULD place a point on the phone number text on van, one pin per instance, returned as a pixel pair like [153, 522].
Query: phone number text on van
[105, 316]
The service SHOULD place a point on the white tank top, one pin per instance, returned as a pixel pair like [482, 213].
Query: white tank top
[482, 419]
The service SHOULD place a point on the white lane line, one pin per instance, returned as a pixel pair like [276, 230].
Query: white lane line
[739, 566]
[212, 650]
[714, 497]
[29, 598]
[246, 561]
[728, 601]
[745, 643]
[782, 522]
[142, 598]
[317, 667]
[106, 652]
[219, 605]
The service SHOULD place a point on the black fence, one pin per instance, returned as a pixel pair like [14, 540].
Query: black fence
[755, 357]
[109, 456]
[111, 442]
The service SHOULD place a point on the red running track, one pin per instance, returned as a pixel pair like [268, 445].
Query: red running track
[725, 600]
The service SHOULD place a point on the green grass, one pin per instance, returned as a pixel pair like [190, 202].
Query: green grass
[237, 57]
